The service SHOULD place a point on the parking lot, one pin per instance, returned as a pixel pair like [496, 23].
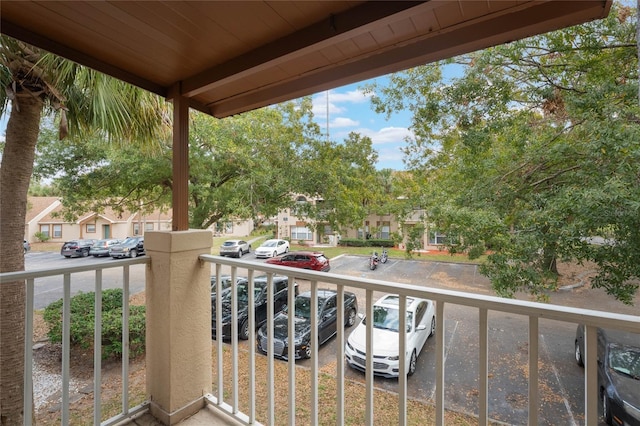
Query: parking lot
[561, 380]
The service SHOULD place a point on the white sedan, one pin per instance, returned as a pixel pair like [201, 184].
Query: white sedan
[421, 324]
[272, 248]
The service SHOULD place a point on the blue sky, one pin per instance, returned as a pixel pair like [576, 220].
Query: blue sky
[350, 111]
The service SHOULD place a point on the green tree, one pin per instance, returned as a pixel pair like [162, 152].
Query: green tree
[533, 151]
[36, 83]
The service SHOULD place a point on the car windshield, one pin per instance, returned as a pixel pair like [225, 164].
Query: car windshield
[243, 293]
[303, 307]
[269, 244]
[386, 318]
[625, 360]
[129, 240]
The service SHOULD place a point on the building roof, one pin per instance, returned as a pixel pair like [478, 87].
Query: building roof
[228, 57]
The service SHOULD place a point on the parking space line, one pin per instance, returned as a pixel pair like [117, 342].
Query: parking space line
[562, 389]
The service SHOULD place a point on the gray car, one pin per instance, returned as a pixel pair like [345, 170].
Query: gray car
[235, 248]
[101, 247]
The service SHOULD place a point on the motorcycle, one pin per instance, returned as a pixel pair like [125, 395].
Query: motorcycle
[373, 261]
[384, 257]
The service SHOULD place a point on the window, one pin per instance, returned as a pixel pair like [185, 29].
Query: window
[136, 229]
[420, 311]
[301, 233]
[385, 230]
[44, 230]
[91, 228]
[148, 226]
[57, 231]
[437, 238]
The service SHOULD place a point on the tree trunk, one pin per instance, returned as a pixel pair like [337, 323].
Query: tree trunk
[15, 173]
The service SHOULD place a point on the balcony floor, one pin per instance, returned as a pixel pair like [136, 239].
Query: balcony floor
[207, 416]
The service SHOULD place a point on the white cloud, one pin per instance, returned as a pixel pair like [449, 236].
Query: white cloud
[387, 135]
[344, 122]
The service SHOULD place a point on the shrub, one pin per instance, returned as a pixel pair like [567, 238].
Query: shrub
[82, 323]
[358, 242]
[42, 237]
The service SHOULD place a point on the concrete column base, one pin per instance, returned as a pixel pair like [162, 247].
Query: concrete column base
[178, 337]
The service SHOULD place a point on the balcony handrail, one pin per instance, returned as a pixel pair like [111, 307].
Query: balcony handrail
[7, 277]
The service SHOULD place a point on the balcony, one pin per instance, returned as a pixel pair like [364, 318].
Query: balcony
[191, 379]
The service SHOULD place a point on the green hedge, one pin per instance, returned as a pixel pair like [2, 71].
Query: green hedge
[82, 323]
[371, 242]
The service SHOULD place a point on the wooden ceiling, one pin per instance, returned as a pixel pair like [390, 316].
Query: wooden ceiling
[227, 57]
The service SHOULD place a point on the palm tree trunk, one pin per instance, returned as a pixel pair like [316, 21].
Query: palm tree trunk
[15, 173]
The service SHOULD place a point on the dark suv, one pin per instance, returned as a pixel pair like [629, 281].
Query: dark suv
[618, 356]
[79, 248]
[131, 247]
[280, 294]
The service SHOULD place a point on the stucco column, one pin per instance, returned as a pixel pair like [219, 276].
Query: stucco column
[178, 298]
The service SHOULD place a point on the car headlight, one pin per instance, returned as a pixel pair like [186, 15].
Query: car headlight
[393, 358]
[349, 345]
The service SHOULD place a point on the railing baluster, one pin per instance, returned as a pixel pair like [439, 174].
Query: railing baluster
[28, 353]
[483, 365]
[291, 365]
[402, 353]
[234, 339]
[533, 370]
[97, 349]
[252, 353]
[340, 363]
[270, 364]
[591, 375]
[66, 346]
[369, 359]
[126, 276]
[440, 363]
[219, 351]
[314, 353]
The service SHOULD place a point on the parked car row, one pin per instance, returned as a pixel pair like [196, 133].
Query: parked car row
[129, 247]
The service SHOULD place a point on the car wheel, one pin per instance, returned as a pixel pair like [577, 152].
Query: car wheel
[274, 254]
[133, 254]
[412, 363]
[239, 253]
[243, 331]
[578, 354]
[433, 327]
[85, 253]
[307, 352]
[606, 410]
[351, 317]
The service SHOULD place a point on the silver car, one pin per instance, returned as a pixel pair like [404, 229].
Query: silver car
[101, 247]
[235, 248]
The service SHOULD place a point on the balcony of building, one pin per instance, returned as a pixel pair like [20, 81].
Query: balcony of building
[192, 379]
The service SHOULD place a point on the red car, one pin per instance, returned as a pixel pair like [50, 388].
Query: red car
[302, 259]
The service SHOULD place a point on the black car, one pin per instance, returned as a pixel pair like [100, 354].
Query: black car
[76, 248]
[618, 374]
[281, 292]
[327, 319]
[225, 281]
[130, 247]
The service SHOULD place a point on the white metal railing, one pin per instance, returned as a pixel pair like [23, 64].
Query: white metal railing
[485, 304]
[67, 273]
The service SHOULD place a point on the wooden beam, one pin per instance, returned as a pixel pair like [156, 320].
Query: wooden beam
[180, 164]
